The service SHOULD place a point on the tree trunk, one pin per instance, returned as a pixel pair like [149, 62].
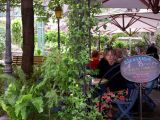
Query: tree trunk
[8, 53]
[28, 36]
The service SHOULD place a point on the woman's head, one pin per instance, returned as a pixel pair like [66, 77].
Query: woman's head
[95, 54]
[119, 53]
[110, 55]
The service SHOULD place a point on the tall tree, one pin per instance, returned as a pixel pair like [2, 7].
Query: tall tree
[28, 35]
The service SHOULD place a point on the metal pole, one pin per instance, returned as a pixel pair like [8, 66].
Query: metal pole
[39, 34]
[99, 42]
[58, 20]
[89, 30]
[130, 46]
[8, 53]
[42, 38]
[140, 100]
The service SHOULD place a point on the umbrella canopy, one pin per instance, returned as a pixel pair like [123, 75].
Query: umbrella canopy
[129, 22]
[130, 32]
[140, 4]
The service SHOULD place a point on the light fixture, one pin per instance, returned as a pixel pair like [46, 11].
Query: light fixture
[58, 12]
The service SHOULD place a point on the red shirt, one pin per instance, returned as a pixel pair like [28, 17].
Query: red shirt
[93, 63]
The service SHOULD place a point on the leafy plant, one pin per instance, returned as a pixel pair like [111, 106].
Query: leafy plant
[114, 38]
[119, 44]
[103, 41]
[52, 36]
[20, 100]
[63, 70]
[64, 86]
[158, 40]
[17, 31]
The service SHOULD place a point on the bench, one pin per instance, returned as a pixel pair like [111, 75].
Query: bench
[17, 60]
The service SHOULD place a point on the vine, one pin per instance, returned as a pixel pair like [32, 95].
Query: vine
[64, 71]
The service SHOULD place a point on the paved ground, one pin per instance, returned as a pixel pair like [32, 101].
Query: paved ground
[149, 114]
[153, 115]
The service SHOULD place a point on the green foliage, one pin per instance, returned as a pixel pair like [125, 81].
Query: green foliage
[62, 69]
[141, 43]
[2, 45]
[158, 40]
[17, 31]
[2, 38]
[119, 44]
[51, 39]
[20, 98]
[63, 84]
[52, 36]
[37, 51]
[114, 38]
[62, 72]
[103, 40]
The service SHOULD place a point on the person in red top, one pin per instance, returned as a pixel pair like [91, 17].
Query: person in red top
[94, 61]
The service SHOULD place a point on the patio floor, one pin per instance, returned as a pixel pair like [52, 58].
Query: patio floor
[149, 114]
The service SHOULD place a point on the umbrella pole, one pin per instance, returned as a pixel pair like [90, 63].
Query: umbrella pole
[130, 46]
[140, 100]
[99, 42]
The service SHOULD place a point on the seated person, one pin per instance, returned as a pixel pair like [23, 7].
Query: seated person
[117, 85]
[119, 55]
[152, 51]
[93, 63]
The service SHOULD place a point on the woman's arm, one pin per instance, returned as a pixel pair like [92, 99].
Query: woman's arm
[96, 81]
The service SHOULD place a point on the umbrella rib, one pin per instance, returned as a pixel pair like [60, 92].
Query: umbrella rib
[136, 30]
[123, 22]
[156, 2]
[128, 33]
[116, 23]
[105, 1]
[145, 3]
[151, 4]
[148, 18]
[111, 32]
[147, 24]
[113, 17]
[148, 30]
[132, 33]
[132, 21]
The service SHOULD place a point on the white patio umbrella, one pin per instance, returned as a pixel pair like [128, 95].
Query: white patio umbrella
[129, 22]
[139, 4]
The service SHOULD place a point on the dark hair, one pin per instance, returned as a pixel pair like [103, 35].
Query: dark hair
[108, 50]
[95, 53]
[152, 50]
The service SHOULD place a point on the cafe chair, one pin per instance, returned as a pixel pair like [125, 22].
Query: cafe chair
[125, 106]
[146, 92]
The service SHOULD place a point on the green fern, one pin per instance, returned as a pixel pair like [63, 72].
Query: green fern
[20, 98]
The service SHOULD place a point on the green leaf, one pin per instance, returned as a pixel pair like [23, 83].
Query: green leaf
[38, 104]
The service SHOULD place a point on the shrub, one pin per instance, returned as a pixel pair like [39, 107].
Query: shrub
[119, 44]
[17, 31]
[52, 36]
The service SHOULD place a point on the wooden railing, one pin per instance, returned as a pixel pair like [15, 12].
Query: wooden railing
[38, 60]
